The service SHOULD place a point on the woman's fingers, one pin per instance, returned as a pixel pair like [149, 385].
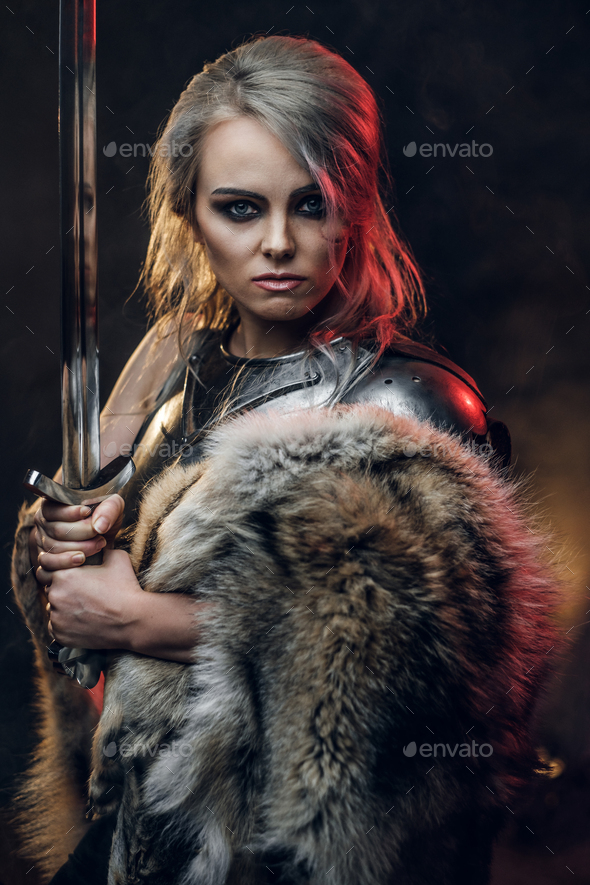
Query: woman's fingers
[53, 527]
[51, 562]
[94, 607]
[51, 511]
[108, 514]
[65, 560]
[51, 545]
[65, 531]
[65, 523]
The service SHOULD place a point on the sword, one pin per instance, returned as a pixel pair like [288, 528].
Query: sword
[83, 481]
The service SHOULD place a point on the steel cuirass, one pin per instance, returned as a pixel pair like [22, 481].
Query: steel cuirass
[407, 378]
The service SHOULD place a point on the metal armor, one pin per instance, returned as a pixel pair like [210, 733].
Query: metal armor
[407, 378]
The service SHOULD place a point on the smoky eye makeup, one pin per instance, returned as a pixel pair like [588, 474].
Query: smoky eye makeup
[242, 210]
[238, 210]
[317, 203]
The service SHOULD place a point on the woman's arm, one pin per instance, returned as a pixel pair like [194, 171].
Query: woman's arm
[153, 624]
[165, 625]
[104, 606]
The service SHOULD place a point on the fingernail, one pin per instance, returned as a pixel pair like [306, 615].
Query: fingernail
[78, 557]
[102, 543]
[101, 525]
[85, 511]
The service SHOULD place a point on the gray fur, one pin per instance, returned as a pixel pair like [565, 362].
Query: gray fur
[360, 599]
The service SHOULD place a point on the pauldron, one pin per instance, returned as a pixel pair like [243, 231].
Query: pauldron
[408, 378]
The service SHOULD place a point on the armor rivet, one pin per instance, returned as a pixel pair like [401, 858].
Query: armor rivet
[307, 374]
[416, 378]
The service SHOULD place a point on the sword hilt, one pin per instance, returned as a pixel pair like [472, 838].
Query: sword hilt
[82, 664]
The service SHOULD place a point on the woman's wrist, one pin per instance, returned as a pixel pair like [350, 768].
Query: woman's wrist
[163, 625]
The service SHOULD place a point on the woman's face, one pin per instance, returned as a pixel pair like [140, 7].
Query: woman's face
[260, 214]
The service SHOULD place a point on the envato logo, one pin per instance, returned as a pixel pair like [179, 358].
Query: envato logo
[443, 750]
[131, 150]
[485, 450]
[434, 150]
[163, 450]
[126, 751]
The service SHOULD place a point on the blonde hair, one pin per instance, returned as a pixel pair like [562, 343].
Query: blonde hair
[327, 117]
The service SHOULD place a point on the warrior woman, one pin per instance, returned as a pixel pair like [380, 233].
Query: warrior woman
[275, 278]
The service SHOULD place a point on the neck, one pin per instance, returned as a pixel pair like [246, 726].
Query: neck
[256, 338]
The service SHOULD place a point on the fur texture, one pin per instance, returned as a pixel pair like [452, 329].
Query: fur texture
[50, 804]
[372, 583]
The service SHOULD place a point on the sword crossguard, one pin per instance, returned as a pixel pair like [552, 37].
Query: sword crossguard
[109, 481]
[82, 664]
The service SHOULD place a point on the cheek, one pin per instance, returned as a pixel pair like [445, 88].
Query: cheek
[338, 231]
[314, 244]
[325, 272]
[223, 249]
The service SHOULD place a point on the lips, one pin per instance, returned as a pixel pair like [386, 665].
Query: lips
[279, 282]
[285, 275]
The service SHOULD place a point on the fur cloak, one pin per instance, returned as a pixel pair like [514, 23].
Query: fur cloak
[375, 589]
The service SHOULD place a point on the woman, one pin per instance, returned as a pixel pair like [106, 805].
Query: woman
[321, 170]
[275, 277]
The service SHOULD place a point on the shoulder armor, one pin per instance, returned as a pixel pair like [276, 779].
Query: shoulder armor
[411, 377]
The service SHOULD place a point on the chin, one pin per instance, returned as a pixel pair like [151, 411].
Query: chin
[281, 307]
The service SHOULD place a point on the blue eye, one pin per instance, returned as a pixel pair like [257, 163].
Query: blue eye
[315, 205]
[240, 209]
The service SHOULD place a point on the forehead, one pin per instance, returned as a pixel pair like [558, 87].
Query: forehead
[243, 153]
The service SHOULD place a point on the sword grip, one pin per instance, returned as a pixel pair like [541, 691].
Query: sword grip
[95, 559]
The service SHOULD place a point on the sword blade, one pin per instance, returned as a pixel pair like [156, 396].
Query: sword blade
[79, 307]
[82, 478]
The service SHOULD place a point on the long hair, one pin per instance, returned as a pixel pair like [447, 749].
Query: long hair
[327, 117]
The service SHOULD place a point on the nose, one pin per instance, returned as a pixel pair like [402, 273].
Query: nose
[277, 239]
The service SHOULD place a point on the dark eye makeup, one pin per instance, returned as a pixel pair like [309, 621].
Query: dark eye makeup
[240, 210]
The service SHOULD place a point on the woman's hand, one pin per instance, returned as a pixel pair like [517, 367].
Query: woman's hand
[65, 535]
[96, 606]
[104, 606]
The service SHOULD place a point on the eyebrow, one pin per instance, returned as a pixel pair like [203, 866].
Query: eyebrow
[234, 191]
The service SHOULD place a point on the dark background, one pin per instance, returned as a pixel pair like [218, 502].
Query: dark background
[501, 239]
